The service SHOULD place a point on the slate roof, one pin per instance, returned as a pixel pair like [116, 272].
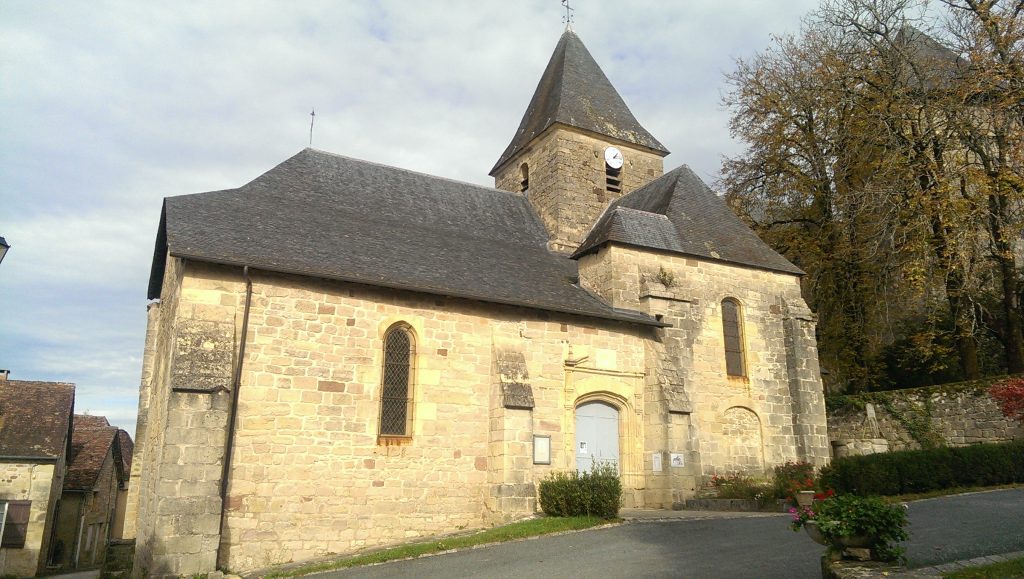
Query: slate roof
[575, 91]
[35, 418]
[678, 213]
[334, 217]
[936, 65]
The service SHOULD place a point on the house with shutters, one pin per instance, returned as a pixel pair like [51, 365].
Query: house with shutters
[35, 441]
[344, 355]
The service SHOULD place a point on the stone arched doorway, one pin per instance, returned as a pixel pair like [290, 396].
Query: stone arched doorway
[597, 435]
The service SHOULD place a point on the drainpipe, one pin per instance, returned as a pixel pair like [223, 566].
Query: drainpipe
[233, 413]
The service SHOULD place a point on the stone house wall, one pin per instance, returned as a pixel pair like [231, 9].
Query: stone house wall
[98, 512]
[954, 415]
[66, 529]
[39, 483]
[567, 179]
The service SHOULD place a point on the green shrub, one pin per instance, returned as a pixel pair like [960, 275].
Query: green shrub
[913, 471]
[595, 493]
[738, 486]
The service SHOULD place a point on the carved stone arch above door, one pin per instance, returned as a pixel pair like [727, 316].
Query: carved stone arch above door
[622, 391]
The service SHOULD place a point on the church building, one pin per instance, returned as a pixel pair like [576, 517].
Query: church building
[345, 355]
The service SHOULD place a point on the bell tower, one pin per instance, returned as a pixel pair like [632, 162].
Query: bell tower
[577, 148]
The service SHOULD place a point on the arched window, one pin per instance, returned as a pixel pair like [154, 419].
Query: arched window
[396, 382]
[732, 330]
[525, 183]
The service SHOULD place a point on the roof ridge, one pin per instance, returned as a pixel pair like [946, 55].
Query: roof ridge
[402, 170]
[635, 210]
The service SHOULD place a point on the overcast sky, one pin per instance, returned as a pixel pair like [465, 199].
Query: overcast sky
[108, 107]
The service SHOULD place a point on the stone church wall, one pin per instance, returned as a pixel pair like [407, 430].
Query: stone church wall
[951, 414]
[567, 180]
[309, 475]
[722, 424]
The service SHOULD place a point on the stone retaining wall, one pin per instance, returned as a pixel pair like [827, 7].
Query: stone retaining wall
[950, 414]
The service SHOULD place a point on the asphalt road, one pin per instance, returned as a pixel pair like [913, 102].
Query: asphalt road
[943, 529]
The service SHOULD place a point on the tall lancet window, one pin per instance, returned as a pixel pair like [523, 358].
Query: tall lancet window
[732, 331]
[396, 382]
[524, 184]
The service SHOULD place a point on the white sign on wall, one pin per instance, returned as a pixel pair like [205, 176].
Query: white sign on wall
[677, 460]
[656, 461]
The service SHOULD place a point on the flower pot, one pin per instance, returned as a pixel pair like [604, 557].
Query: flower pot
[811, 527]
[804, 498]
[859, 541]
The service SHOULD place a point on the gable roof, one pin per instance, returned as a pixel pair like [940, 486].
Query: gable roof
[92, 441]
[678, 213]
[333, 217]
[89, 450]
[35, 418]
[126, 449]
[926, 63]
[574, 91]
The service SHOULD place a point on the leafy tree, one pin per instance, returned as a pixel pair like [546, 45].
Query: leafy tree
[887, 165]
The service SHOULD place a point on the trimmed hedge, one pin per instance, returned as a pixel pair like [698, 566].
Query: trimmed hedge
[597, 493]
[915, 471]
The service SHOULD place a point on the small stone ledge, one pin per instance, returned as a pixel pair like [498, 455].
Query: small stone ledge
[740, 505]
[862, 569]
[648, 293]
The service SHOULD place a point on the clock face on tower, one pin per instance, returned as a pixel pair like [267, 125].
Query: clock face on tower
[613, 157]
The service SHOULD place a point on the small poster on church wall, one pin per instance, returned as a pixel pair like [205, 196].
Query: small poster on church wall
[677, 460]
[541, 449]
[656, 462]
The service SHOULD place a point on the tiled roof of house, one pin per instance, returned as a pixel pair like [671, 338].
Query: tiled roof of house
[89, 421]
[35, 418]
[679, 213]
[126, 448]
[574, 91]
[92, 441]
[333, 217]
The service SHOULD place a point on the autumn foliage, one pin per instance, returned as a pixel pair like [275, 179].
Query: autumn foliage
[1009, 395]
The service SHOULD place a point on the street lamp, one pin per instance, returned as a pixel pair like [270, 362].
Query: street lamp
[4, 246]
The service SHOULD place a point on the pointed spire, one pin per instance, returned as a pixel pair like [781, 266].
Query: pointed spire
[574, 91]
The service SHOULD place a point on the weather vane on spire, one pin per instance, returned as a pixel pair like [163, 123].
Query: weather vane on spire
[312, 117]
[568, 18]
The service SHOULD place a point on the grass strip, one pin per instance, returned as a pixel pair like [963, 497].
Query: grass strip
[1002, 570]
[511, 532]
